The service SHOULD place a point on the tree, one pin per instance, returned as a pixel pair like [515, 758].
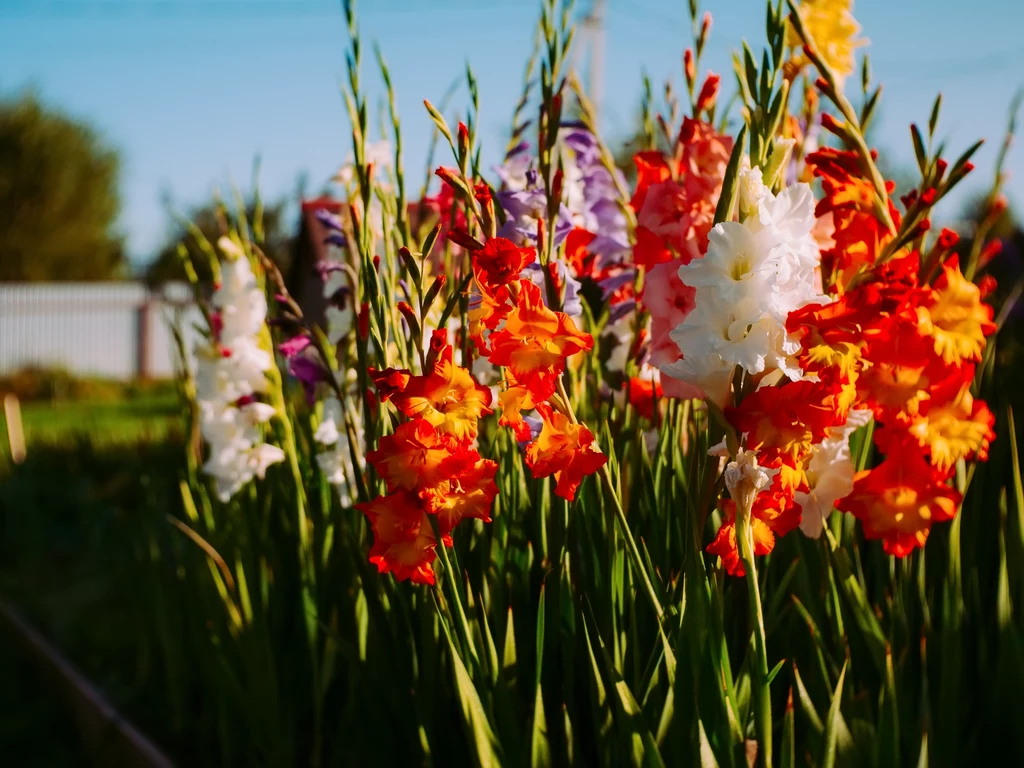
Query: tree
[59, 197]
[211, 219]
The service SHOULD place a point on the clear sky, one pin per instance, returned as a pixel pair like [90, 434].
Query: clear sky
[192, 90]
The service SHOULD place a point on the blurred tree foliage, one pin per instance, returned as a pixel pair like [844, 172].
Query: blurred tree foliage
[275, 236]
[59, 198]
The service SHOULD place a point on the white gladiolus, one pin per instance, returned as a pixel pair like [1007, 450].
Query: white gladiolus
[755, 272]
[829, 475]
[229, 373]
[335, 457]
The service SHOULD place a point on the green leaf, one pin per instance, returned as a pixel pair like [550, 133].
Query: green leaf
[730, 185]
[863, 614]
[869, 109]
[429, 240]
[540, 752]
[644, 749]
[487, 749]
[833, 723]
[888, 742]
[806, 704]
[707, 756]
[787, 753]
[962, 160]
[919, 151]
[508, 655]
[933, 121]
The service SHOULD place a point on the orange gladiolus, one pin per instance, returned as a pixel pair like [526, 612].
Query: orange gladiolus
[447, 398]
[565, 450]
[783, 422]
[515, 399]
[642, 395]
[955, 317]
[467, 493]
[900, 369]
[898, 500]
[414, 457]
[773, 514]
[954, 427]
[403, 542]
[486, 311]
[536, 341]
[849, 196]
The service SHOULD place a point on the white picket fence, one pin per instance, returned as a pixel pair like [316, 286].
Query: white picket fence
[110, 330]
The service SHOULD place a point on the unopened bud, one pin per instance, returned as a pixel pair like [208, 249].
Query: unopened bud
[830, 124]
[461, 237]
[364, 320]
[948, 239]
[689, 68]
[433, 291]
[463, 143]
[708, 93]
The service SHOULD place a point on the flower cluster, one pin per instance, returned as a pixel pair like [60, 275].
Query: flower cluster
[514, 329]
[908, 351]
[885, 344]
[755, 272]
[429, 464]
[231, 371]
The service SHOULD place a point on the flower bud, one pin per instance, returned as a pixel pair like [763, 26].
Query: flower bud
[708, 93]
[689, 68]
[433, 291]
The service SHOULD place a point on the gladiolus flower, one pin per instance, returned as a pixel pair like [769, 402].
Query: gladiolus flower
[954, 429]
[515, 399]
[669, 301]
[536, 341]
[565, 450]
[773, 514]
[898, 501]
[403, 542]
[783, 422]
[414, 457]
[643, 392]
[956, 318]
[389, 382]
[499, 262]
[651, 168]
[447, 398]
[468, 493]
[830, 24]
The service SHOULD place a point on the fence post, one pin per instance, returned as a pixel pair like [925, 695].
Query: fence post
[143, 328]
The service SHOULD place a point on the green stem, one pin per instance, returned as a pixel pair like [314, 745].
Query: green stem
[762, 695]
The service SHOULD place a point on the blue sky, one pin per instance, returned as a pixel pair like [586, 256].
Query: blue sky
[192, 90]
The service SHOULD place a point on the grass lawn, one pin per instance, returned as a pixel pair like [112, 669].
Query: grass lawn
[148, 417]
